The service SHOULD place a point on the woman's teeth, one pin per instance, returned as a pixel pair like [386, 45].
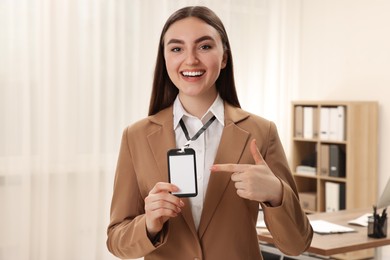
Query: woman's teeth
[192, 73]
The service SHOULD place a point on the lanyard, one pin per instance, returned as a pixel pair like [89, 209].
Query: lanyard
[204, 127]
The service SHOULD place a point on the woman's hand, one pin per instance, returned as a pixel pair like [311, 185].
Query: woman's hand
[160, 205]
[254, 181]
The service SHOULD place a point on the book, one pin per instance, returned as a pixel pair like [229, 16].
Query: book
[334, 196]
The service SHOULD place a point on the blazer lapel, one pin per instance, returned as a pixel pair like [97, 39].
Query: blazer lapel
[229, 151]
[161, 140]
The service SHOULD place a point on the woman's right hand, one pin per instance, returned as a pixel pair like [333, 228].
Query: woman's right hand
[160, 205]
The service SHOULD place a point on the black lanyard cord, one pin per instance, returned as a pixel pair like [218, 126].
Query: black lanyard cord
[204, 127]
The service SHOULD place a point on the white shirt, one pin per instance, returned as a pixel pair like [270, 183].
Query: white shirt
[205, 146]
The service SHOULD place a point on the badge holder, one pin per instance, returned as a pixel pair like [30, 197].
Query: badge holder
[182, 171]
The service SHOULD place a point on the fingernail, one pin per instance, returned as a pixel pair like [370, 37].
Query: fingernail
[181, 203]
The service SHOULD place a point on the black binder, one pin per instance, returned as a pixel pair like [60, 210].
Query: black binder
[336, 161]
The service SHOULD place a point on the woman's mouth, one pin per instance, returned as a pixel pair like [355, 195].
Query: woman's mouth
[193, 73]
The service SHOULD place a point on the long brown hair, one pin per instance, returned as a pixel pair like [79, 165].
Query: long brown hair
[164, 91]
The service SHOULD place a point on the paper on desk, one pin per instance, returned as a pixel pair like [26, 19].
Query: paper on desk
[325, 227]
[361, 221]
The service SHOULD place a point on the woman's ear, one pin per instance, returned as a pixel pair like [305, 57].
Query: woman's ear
[224, 60]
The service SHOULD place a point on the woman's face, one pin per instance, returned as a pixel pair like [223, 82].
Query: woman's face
[194, 57]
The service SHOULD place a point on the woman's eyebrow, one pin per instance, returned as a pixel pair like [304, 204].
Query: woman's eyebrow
[204, 38]
[200, 39]
[175, 41]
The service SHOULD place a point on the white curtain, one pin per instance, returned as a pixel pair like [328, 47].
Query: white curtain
[73, 74]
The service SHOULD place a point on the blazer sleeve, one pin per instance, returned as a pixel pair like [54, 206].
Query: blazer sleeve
[288, 223]
[127, 236]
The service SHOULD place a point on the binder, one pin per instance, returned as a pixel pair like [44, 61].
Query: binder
[336, 161]
[299, 121]
[333, 123]
[315, 123]
[324, 160]
[324, 123]
[340, 124]
[308, 122]
[334, 196]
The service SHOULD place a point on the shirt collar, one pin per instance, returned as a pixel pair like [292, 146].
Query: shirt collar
[216, 109]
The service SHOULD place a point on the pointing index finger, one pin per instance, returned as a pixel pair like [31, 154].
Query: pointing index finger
[229, 167]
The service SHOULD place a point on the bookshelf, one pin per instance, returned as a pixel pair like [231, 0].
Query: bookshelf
[355, 162]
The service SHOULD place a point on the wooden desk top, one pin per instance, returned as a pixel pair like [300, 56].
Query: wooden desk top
[332, 244]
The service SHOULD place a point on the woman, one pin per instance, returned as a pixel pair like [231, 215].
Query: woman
[239, 159]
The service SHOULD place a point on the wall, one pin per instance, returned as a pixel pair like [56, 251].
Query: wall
[345, 55]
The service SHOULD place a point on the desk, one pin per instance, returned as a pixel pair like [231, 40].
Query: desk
[327, 245]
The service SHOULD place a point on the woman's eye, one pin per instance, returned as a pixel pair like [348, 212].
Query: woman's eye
[205, 47]
[177, 49]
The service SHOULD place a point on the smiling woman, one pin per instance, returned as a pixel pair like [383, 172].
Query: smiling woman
[238, 160]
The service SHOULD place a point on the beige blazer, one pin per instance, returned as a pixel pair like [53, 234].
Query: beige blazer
[227, 228]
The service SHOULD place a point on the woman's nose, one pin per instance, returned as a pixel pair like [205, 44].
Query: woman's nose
[191, 58]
